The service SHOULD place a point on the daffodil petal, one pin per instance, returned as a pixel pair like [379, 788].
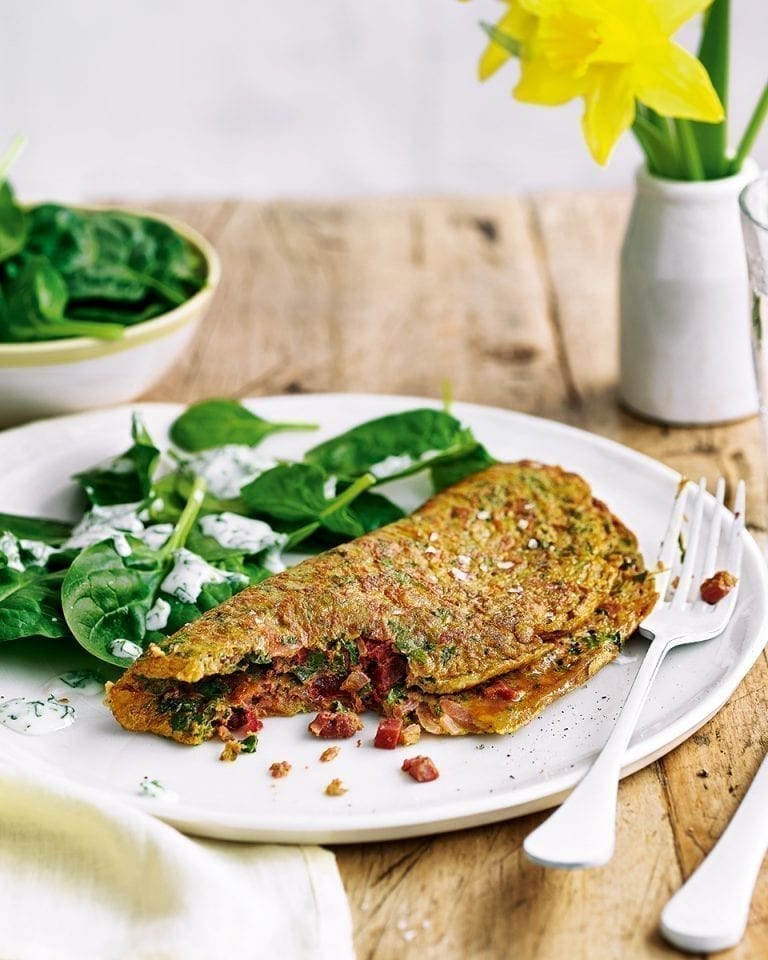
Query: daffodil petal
[672, 14]
[539, 83]
[517, 24]
[610, 109]
[675, 84]
[541, 8]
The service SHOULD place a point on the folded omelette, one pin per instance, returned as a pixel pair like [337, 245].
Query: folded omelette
[496, 597]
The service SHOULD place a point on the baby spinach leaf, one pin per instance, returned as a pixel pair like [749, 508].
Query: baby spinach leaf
[127, 478]
[62, 236]
[35, 299]
[449, 470]
[291, 491]
[217, 422]
[297, 492]
[35, 528]
[389, 446]
[106, 597]
[126, 314]
[13, 223]
[29, 604]
[372, 511]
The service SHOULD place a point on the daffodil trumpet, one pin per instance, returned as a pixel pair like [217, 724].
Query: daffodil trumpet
[622, 60]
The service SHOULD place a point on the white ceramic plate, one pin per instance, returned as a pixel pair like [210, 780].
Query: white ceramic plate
[482, 779]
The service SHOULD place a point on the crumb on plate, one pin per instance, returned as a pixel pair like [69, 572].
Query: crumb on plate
[336, 788]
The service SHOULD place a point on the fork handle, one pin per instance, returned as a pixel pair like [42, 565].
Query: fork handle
[710, 911]
[582, 831]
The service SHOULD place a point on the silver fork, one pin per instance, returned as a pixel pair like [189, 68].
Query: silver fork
[582, 831]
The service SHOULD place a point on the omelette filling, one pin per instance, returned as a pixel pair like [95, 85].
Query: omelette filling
[354, 676]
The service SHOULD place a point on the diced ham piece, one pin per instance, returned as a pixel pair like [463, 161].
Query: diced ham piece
[384, 666]
[501, 690]
[324, 686]
[421, 769]
[388, 733]
[717, 587]
[252, 723]
[245, 720]
[335, 726]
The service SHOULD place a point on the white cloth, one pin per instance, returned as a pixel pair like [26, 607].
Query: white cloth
[88, 878]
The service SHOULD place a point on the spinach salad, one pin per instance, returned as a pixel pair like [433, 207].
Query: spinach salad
[68, 272]
[167, 535]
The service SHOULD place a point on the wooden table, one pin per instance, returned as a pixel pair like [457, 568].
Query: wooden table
[514, 302]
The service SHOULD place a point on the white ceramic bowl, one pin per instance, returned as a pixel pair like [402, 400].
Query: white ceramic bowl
[63, 376]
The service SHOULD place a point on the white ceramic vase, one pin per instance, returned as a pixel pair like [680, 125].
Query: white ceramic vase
[685, 352]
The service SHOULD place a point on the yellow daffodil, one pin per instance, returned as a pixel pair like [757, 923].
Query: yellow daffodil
[613, 53]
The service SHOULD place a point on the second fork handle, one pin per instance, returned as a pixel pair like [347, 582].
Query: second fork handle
[582, 831]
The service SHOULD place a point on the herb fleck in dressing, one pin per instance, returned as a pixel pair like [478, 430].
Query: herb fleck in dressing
[190, 573]
[155, 790]
[35, 717]
[240, 533]
[227, 469]
[87, 683]
[125, 649]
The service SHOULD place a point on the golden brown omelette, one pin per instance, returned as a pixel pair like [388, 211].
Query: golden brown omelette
[497, 596]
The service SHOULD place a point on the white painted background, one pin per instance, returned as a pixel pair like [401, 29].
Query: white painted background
[141, 98]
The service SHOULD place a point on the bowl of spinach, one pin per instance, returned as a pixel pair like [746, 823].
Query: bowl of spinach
[96, 303]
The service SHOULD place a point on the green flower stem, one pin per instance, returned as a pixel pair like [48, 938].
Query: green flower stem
[187, 519]
[750, 134]
[693, 168]
[711, 138]
[655, 143]
[346, 497]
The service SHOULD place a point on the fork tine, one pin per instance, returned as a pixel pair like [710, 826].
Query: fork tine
[709, 556]
[668, 548]
[733, 554]
[736, 544]
[692, 551]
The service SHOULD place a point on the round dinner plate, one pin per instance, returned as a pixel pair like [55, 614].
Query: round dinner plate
[482, 779]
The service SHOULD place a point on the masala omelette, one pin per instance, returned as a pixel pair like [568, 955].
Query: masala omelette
[497, 596]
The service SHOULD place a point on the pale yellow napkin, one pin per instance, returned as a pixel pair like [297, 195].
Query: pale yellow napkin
[88, 878]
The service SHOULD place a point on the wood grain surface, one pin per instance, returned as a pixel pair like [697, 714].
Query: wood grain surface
[514, 302]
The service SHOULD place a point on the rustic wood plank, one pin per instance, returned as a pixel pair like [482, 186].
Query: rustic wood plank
[514, 302]
[387, 297]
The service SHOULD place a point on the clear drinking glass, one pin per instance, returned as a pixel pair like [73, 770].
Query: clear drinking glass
[753, 201]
